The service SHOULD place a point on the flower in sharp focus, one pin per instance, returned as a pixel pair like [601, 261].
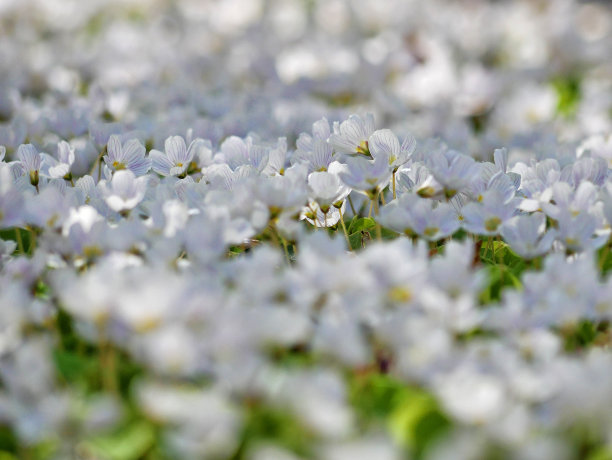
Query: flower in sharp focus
[385, 142]
[30, 162]
[351, 136]
[238, 152]
[124, 192]
[326, 188]
[314, 150]
[130, 155]
[177, 159]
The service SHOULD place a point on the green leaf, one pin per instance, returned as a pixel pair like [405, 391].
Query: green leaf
[417, 421]
[584, 334]
[129, 443]
[361, 224]
[569, 93]
[602, 453]
[356, 240]
[375, 395]
[10, 234]
[7, 456]
[265, 423]
[8, 441]
[388, 234]
[73, 366]
[499, 278]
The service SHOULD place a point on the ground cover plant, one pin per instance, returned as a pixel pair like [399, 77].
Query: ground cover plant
[290, 230]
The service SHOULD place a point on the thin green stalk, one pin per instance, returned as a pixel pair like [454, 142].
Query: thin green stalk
[393, 180]
[376, 205]
[98, 163]
[32, 240]
[376, 212]
[108, 361]
[603, 257]
[285, 248]
[348, 241]
[537, 263]
[19, 240]
[274, 237]
[351, 205]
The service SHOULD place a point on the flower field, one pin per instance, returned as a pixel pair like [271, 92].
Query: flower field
[305, 229]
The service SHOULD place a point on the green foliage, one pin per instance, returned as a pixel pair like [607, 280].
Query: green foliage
[80, 363]
[265, 423]
[412, 415]
[129, 442]
[374, 395]
[360, 231]
[8, 442]
[585, 334]
[503, 267]
[361, 224]
[13, 234]
[363, 229]
[296, 356]
[569, 92]
[604, 258]
[602, 453]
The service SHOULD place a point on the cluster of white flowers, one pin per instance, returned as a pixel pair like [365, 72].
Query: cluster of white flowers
[178, 281]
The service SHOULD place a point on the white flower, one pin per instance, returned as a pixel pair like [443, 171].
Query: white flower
[367, 176]
[130, 155]
[178, 158]
[527, 235]
[124, 192]
[385, 142]
[58, 168]
[30, 162]
[351, 136]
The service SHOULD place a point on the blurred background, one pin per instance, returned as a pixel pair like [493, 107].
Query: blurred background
[478, 74]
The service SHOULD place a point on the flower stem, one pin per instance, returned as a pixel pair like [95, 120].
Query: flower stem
[108, 361]
[98, 162]
[19, 240]
[32, 239]
[348, 241]
[603, 257]
[352, 207]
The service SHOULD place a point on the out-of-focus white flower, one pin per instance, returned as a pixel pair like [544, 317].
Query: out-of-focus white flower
[527, 235]
[367, 176]
[124, 192]
[58, 168]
